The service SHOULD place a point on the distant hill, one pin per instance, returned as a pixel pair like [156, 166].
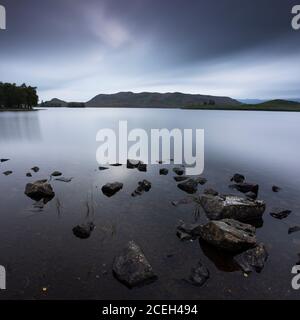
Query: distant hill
[272, 105]
[156, 100]
[57, 103]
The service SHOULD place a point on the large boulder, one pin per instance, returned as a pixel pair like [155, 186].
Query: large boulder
[111, 189]
[132, 267]
[253, 259]
[232, 207]
[39, 190]
[229, 235]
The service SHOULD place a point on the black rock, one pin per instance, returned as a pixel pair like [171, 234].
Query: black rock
[7, 173]
[111, 189]
[229, 235]
[142, 167]
[252, 259]
[190, 186]
[132, 267]
[251, 195]
[181, 178]
[246, 187]
[188, 231]
[103, 168]
[293, 229]
[280, 214]
[63, 179]
[28, 174]
[35, 169]
[56, 174]
[238, 178]
[201, 181]
[199, 275]
[133, 164]
[84, 231]
[163, 172]
[40, 190]
[276, 189]
[144, 186]
[4, 160]
[116, 165]
[179, 171]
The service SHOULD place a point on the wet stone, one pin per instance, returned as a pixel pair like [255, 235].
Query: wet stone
[190, 186]
[84, 231]
[238, 178]
[111, 189]
[199, 275]
[179, 171]
[163, 172]
[280, 214]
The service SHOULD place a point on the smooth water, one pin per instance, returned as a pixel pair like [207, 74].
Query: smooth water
[44, 260]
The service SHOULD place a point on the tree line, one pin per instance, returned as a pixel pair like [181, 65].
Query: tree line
[17, 97]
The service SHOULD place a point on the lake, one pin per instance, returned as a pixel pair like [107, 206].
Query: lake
[43, 258]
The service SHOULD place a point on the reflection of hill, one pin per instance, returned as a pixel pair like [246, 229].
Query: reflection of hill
[20, 126]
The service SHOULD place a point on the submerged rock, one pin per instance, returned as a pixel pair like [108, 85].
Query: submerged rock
[232, 207]
[163, 172]
[144, 186]
[56, 174]
[188, 231]
[238, 178]
[63, 179]
[35, 169]
[84, 231]
[181, 178]
[293, 229]
[111, 189]
[190, 186]
[40, 190]
[276, 189]
[7, 173]
[28, 174]
[246, 187]
[253, 259]
[229, 235]
[132, 267]
[280, 214]
[199, 275]
[179, 171]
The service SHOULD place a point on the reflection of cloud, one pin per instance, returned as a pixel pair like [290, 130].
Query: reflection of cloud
[19, 126]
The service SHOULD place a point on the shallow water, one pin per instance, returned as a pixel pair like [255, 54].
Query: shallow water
[40, 251]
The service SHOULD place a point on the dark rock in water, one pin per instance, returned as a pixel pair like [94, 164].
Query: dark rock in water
[246, 187]
[182, 201]
[211, 192]
[103, 168]
[132, 267]
[232, 207]
[163, 172]
[142, 167]
[229, 235]
[276, 189]
[63, 179]
[144, 186]
[28, 174]
[190, 186]
[133, 164]
[251, 195]
[111, 189]
[293, 229]
[7, 173]
[35, 169]
[253, 259]
[56, 174]
[199, 275]
[280, 214]
[40, 190]
[179, 171]
[201, 181]
[4, 160]
[238, 178]
[181, 178]
[188, 231]
[116, 165]
[84, 231]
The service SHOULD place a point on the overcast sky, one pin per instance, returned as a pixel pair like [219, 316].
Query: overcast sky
[75, 49]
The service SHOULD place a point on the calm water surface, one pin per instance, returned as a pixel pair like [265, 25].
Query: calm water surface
[40, 251]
